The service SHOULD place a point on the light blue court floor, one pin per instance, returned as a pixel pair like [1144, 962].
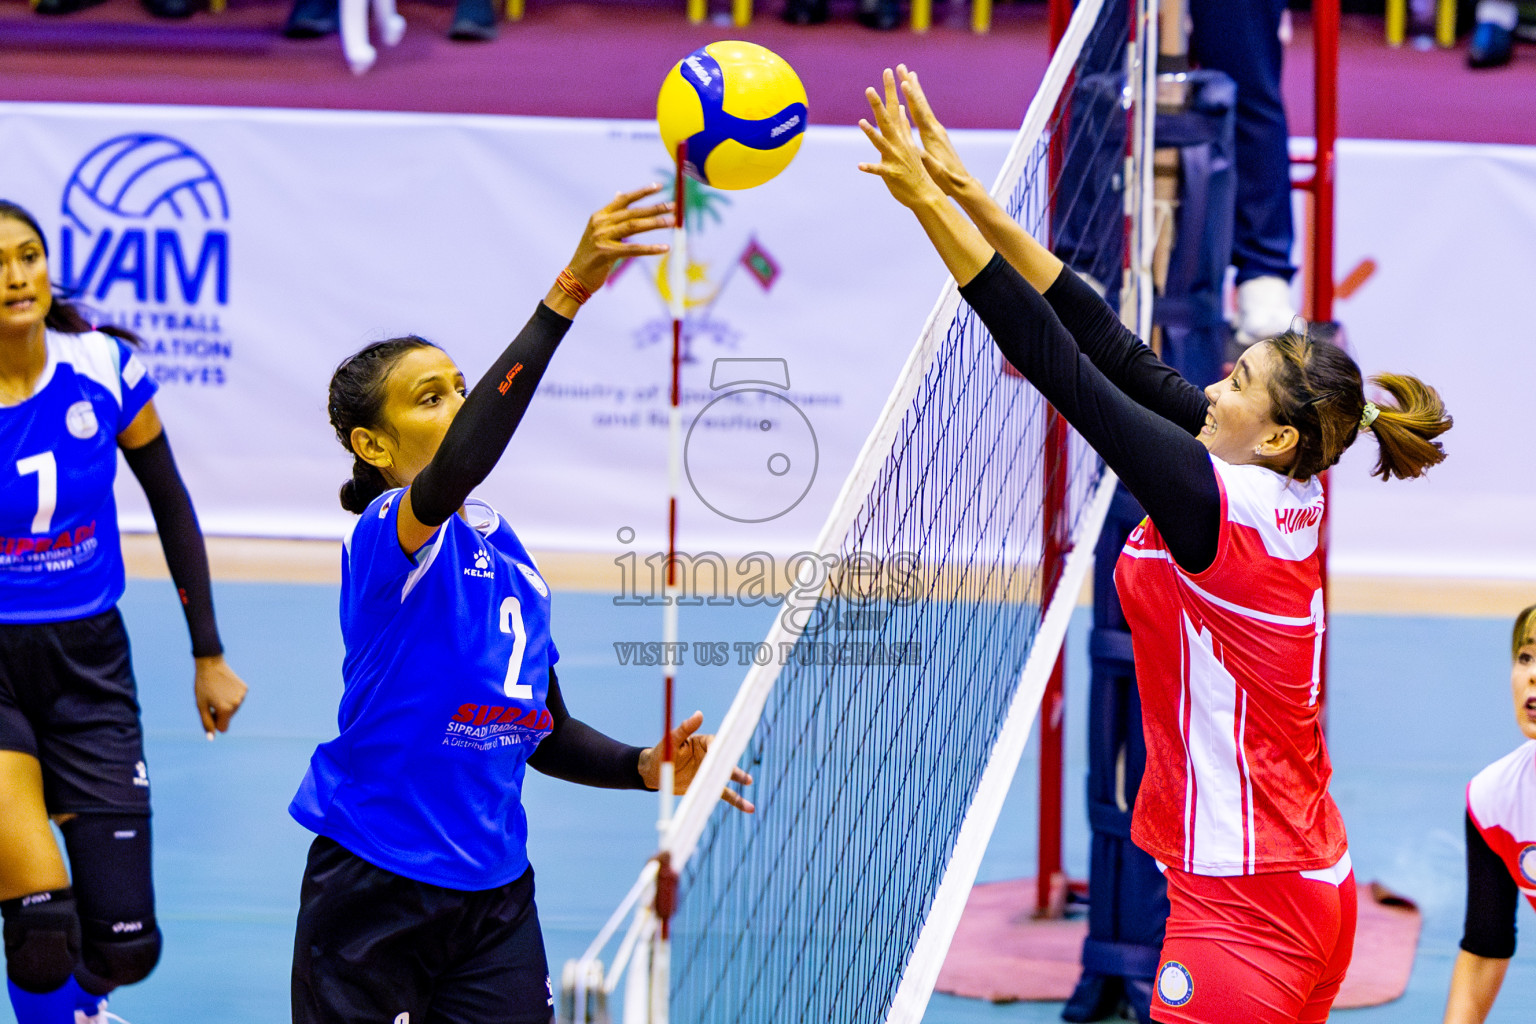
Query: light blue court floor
[1418, 705]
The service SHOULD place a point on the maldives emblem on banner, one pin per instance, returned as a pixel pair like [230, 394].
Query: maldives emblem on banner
[144, 244]
[709, 248]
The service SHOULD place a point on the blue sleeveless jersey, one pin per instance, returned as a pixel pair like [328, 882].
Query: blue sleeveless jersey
[59, 552]
[444, 683]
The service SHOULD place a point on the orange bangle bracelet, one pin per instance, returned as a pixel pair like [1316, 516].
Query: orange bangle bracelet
[568, 283]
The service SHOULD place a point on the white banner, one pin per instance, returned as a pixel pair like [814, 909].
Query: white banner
[255, 249]
[1438, 241]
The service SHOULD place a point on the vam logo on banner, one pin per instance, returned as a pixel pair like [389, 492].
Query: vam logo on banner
[145, 244]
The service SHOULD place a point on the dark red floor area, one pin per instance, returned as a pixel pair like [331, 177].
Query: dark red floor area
[608, 59]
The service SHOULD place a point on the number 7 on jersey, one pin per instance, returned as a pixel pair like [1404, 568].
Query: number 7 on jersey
[47, 487]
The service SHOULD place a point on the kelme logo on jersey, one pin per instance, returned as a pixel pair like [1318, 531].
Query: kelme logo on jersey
[145, 243]
[1175, 985]
[1525, 860]
[482, 569]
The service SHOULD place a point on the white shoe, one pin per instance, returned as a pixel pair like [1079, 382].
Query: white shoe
[101, 1016]
[1264, 309]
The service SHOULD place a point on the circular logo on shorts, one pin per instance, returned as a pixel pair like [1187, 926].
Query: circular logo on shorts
[1175, 986]
[1527, 863]
[80, 418]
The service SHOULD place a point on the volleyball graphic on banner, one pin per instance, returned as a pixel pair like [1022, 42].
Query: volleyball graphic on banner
[137, 176]
[741, 109]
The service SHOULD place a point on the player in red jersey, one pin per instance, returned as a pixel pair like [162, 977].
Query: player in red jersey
[1501, 848]
[1221, 585]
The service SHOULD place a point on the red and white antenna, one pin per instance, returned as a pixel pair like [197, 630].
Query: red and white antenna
[666, 878]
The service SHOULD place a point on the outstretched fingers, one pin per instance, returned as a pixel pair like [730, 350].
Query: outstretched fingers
[890, 121]
[922, 111]
[624, 199]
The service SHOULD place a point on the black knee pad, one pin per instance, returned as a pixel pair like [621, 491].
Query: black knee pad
[120, 952]
[42, 939]
[109, 859]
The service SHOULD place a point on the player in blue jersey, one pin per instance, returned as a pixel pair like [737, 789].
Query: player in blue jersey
[417, 902]
[70, 740]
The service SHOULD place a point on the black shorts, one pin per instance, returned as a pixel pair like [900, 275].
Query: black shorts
[67, 697]
[373, 947]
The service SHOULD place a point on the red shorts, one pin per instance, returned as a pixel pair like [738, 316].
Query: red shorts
[1257, 949]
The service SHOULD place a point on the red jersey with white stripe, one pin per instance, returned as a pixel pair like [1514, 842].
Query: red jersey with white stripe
[1227, 663]
[1502, 802]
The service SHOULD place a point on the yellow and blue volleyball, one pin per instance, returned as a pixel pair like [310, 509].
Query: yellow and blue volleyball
[740, 107]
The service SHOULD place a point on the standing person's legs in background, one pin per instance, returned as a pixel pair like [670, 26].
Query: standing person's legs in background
[1242, 38]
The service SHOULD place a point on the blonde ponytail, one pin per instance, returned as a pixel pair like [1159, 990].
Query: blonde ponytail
[1406, 431]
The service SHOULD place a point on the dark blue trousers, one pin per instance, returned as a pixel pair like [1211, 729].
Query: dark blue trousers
[1241, 37]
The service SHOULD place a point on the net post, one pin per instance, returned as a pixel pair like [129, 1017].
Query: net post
[1060, 17]
[1325, 45]
[1325, 53]
[1050, 881]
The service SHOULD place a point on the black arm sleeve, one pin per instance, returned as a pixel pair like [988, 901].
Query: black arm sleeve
[1130, 365]
[1164, 467]
[1492, 900]
[485, 424]
[576, 752]
[180, 539]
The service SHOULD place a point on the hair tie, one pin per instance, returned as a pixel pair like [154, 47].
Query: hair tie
[568, 283]
[1369, 415]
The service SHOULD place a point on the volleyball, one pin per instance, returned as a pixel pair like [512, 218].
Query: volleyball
[741, 109]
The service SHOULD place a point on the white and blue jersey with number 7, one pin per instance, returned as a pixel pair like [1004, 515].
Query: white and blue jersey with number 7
[446, 673]
[59, 552]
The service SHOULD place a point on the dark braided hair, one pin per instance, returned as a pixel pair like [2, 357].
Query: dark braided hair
[356, 400]
[1317, 388]
[64, 317]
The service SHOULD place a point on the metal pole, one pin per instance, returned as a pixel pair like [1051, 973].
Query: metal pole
[1050, 880]
[1325, 46]
[1325, 50]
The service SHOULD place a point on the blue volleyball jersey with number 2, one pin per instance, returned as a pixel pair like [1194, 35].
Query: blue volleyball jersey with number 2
[444, 684]
[59, 552]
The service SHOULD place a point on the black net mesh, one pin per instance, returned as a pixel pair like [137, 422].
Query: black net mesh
[876, 733]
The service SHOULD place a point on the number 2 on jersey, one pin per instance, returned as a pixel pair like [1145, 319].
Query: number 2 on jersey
[512, 622]
[47, 488]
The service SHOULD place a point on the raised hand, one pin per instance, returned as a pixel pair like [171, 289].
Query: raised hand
[901, 162]
[939, 158]
[605, 240]
[688, 753]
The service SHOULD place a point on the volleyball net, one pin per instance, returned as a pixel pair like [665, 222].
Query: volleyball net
[884, 744]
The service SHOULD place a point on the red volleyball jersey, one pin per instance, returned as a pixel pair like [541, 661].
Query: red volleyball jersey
[1227, 663]
[1502, 801]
